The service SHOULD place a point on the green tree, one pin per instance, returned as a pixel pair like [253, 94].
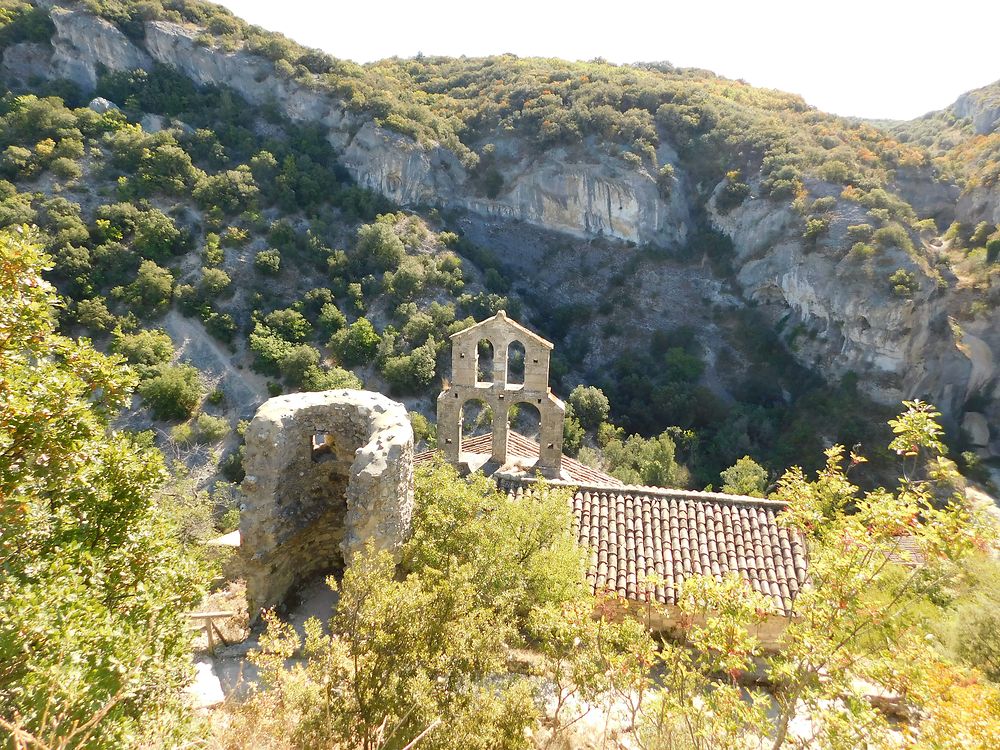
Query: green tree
[290, 324]
[214, 281]
[155, 235]
[173, 392]
[150, 293]
[93, 584]
[298, 363]
[232, 191]
[378, 248]
[478, 565]
[745, 477]
[573, 433]
[329, 379]
[167, 168]
[330, 319]
[93, 313]
[860, 624]
[590, 406]
[652, 461]
[414, 371]
[356, 344]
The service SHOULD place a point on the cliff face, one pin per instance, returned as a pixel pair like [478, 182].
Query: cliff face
[837, 313]
[585, 197]
[841, 312]
[981, 106]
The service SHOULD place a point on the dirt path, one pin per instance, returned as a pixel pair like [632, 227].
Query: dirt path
[244, 389]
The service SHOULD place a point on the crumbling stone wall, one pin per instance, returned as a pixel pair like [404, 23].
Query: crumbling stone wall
[325, 473]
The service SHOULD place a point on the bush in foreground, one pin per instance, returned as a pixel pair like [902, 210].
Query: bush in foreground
[93, 584]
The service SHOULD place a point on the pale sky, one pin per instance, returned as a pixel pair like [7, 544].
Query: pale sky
[879, 58]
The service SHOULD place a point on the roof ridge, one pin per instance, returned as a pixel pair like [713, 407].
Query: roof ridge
[640, 489]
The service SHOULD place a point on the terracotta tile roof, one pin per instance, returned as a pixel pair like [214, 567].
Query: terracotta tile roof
[524, 447]
[635, 534]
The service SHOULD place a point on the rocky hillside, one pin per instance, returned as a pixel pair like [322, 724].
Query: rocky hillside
[695, 197]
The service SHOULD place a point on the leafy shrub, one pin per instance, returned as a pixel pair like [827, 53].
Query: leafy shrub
[220, 325]
[211, 429]
[893, 235]
[149, 347]
[183, 434]
[860, 232]
[268, 262]
[836, 171]
[151, 291]
[173, 392]
[993, 249]
[231, 466]
[861, 251]
[378, 248]
[590, 405]
[213, 254]
[288, 323]
[329, 379]
[665, 181]
[214, 281]
[232, 191]
[815, 227]
[356, 344]
[423, 430]
[297, 362]
[93, 313]
[330, 319]
[166, 168]
[414, 371]
[93, 579]
[733, 193]
[824, 204]
[573, 433]
[66, 168]
[745, 477]
[903, 283]
[652, 461]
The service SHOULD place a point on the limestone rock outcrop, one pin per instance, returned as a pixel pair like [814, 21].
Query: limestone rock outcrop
[85, 43]
[838, 313]
[982, 106]
[327, 474]
[586, 195]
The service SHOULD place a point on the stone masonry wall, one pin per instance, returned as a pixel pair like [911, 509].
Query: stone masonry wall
[500, 394]
[326, 473]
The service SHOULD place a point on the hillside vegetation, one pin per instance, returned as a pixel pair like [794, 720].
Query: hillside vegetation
[210, 215]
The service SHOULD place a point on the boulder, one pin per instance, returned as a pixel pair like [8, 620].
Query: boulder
[101, 105]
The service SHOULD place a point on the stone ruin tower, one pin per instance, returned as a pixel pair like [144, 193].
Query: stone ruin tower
[500, 393]
[327, 474]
